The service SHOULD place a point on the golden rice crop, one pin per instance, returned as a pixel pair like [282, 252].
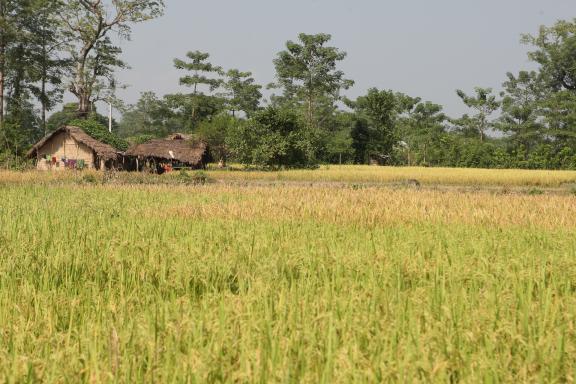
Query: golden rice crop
[284, 283]
[359, 174]
[446, 176]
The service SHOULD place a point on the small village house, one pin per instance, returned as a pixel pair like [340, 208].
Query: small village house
[161, 155]
[72, 148]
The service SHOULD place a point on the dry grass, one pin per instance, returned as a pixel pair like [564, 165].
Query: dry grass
[429, 176]
[374, 206]
[355, 174]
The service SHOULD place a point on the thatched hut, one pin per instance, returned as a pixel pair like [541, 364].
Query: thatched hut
[177, 151]
[72, 148]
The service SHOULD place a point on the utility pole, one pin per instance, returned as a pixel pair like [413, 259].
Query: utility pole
[110, 116]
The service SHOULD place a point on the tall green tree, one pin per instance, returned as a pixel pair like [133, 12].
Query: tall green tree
[485, 104]
[374, 133]
[274, 137]
[215, 132]
[242, 92]
[18, 123]
[421, 131]
[11, 12]
[339, 145]
[203, 107]
[87, 25]
[555, 52]
[308, 75]
[48, 68]
[203, 73]
[559, 113]
[521, 109]
[150, 116]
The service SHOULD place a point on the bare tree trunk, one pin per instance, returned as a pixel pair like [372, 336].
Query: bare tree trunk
[44, 126]
[194, 102]
[310, 99]
[43, 98]
[311, 109]
[80, 86]
[84, 105]
[482, 127]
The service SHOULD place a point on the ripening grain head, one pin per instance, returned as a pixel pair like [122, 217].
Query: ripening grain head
[371, 207]
[285, 283]
[427, 176]
[350, 174]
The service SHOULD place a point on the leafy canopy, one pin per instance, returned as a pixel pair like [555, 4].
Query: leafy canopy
[307, 72]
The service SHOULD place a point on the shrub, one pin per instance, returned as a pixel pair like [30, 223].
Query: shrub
[100, 133]
[274, 138]
[535, 192]
[197, 178]
[89, 179]
[200, 177]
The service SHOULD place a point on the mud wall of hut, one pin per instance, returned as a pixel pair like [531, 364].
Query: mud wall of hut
[63, 146]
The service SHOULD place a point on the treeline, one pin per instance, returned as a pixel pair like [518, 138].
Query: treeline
[530, 124]
[49, 47]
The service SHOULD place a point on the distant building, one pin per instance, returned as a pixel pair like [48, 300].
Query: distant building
[72, 148]
[177, 151]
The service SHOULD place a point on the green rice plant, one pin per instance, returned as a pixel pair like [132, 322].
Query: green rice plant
[155, 282]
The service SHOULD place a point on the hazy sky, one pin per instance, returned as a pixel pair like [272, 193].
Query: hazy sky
[425, 48]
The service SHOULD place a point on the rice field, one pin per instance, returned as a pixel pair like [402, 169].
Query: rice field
[355, 174]
[287, 282]
[426, 176]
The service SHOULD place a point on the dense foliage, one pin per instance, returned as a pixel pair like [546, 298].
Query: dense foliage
[48, 47]
[530, 124]
[274, 138]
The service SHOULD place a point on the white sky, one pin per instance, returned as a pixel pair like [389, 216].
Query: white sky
[425, 48]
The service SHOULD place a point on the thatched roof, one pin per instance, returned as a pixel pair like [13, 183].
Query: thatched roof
[185, 151]
[102, 150]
